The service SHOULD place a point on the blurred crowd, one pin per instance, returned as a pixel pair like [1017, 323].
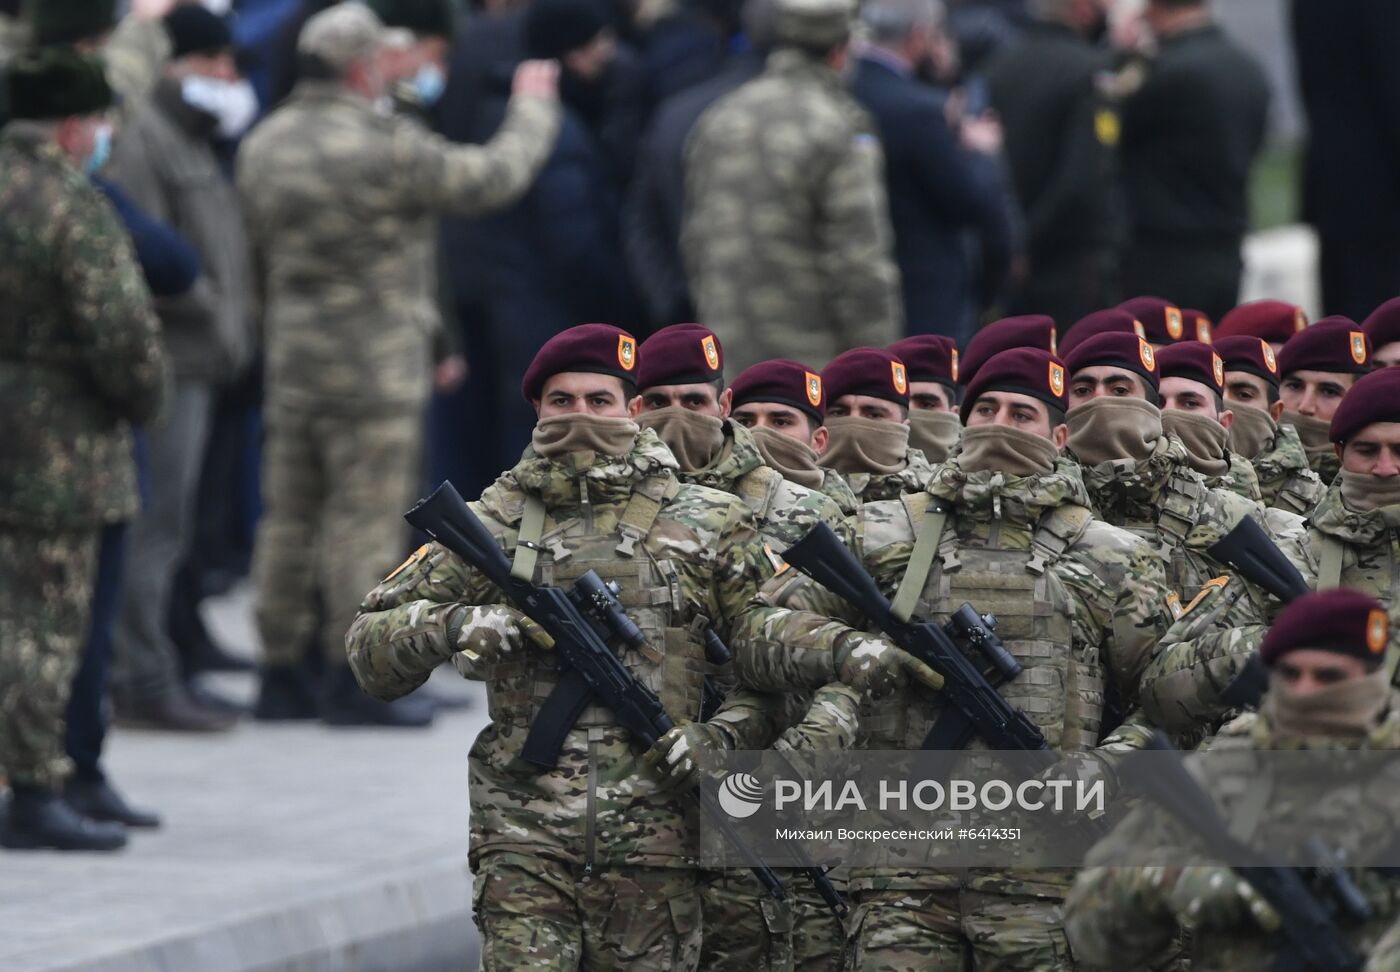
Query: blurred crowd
[355, 236]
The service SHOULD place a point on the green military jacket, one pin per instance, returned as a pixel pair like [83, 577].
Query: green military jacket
[684, 557]
[1241, 479]
[875, 487]
[786, 238]
[1119, 917]
[80, 351]
[1079, 603]
[835, 487]
[1285, 478]
[341, 205]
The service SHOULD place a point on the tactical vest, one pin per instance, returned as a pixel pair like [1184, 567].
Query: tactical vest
[1295, 494]
[1183, 503]
[671, 663]
[1060, 689]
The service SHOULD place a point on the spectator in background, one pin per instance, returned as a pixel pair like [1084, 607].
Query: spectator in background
[165, 161]
[1191, 132]
[1061, 134]
[340, 202]
[689, 46]
[555, 258]
[936, 187]
[80, 358]
[1350, 82]
[786, 237]
[651, 218]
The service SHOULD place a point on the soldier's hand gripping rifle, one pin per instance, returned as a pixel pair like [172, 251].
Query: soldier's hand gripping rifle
[580, 621]
[1308, 937]
[1256, 558]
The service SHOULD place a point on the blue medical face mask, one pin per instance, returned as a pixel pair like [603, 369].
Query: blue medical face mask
[428, 84]
[101, 150]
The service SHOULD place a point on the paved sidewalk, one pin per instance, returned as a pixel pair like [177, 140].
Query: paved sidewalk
[284, 847]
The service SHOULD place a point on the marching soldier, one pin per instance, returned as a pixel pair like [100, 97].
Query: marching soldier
[1006, 526]
[867, 421]
[1382, 326]
[340, 202]
[588, 865]
[1328, 693]
[1275, 452]
[1317, 366]
[1029, 331]
[1275, 321]
[783, 403]
[80, 359]
[1193, 409]
[1165, 323]
[932, 363]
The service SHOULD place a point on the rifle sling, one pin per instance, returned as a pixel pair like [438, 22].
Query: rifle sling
[527, 540]
[1329, 573]
[928, 534]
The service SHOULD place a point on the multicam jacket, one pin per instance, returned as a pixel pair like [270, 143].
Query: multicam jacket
[80, 349]
[875, 487]
[1284, 476]
[835, 487]
[1079, 603]
[684, 557]
[1119, 917]
[340, 204]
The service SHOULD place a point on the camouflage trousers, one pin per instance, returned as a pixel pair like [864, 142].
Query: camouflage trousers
[540, 914]
[334, 491]
[958, 931]
[46, 581]
[745, 926]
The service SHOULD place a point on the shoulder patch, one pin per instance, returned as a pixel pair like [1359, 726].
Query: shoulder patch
[413, 558]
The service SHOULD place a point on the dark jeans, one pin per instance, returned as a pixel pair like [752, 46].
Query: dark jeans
[1202, 275]
[87, 722]
[1358, 275]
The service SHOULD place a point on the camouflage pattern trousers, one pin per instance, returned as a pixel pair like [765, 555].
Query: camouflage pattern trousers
[746, 928]
[958, 931]
[334, 491]
[46, 581]
[541, 914]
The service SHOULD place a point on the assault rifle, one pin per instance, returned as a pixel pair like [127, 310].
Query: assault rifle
[581, 622]
[1308, 937]
[1256, 558]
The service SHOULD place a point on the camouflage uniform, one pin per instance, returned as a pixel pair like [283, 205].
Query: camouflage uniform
[834, 486]
[1120, 916]
[1284, 476]
[1199, 660]
[1385, 957]
[786, 238]
[557, 852]
[1078, 603]
[80, 358]
[1241, 479]
[745, 927]
[340, 204]
[875, 487]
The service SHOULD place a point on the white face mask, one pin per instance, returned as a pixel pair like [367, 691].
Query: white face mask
[233, 103]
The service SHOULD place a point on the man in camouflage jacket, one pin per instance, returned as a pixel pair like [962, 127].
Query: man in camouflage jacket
[588, 865]
[340, 203]
[1006, 526]
[80, 359]
[1328, 695]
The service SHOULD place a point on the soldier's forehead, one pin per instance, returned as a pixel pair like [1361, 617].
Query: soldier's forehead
[582, 381]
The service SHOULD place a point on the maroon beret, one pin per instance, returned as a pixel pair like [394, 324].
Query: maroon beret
[1383, 325]
[782, 382]
[1111, 321]
[1272, 320]
[1194, 361]
[1374, 398]
[1333, 344]
[867, 371]
[1198, 326]
[592, 348]
[1163, 320]
[1116, 348]
[1252, 354]
[1026, 371]
[1030, 331]
[1340, 620]
[929, 357]
[682, 354]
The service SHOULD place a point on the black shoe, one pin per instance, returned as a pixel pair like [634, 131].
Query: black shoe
[41, 819]
[175, 710]
[197, 651]
[345, 704]
[286, 693]
[97, 800]
[207, 697]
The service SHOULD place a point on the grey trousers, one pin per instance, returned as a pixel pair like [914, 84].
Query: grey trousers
[146, 664]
